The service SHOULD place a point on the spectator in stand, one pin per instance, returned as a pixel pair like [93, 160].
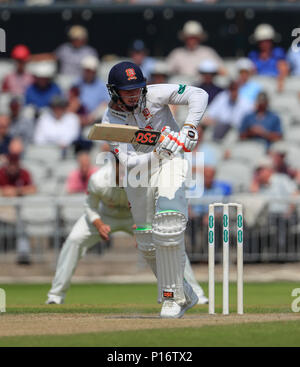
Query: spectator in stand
[16, 181]
[16, 147]
[278, 153]
[269, 60]
[226, 111]
[70, 55]
[160, 73]
[208, 69]
[185, 60]
[75, 104]
[42, 90]
[20, 126]
[275, 188]
[78, 180]
[293, 58]
[262, 124]
[57, 126]
[92, 91]
[18, 81]
[5, 138]
[139, 55]
[248, 88]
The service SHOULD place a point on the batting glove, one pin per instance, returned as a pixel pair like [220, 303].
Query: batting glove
[162, 149]
[189, 138]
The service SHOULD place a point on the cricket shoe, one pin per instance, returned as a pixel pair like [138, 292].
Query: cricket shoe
[202, 300]
[54, 300]
[172, 310]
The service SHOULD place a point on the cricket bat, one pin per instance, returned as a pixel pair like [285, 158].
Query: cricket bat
[125, 134]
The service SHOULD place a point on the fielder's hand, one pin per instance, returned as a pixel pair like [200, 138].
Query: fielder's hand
[102, 228]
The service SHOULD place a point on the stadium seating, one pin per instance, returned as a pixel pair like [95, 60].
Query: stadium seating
[293, 134]
[235, 172]
[247, 151]
[43, 153]
[70, 212]
[38, 216]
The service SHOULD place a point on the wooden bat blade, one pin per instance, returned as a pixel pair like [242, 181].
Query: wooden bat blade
[124, 134]
[113, 132]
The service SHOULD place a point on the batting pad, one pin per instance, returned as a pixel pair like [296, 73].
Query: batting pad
[168, 237]
[143, 237]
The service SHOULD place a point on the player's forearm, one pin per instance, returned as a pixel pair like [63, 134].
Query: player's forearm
[97, 223]
[92, 214]
[196, 99]
[91, 208]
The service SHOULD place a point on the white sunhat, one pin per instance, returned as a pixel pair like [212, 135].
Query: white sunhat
[264, 162]
[208, 66]
[90, 62]
[264, 32]
[160, 67]
[244, 64]
[44, 69]
[78, 32]
[279, 147]
[192, 28]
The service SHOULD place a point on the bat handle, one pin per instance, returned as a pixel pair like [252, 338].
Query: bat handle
[161, 139]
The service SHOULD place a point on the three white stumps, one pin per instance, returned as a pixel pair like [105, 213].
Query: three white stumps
[211, 257]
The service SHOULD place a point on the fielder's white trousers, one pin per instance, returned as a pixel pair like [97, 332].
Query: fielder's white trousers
[83, 236]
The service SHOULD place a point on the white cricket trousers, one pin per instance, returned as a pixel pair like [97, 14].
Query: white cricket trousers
[83, 236]
[164, 192]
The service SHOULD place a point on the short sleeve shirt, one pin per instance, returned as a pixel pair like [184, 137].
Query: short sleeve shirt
[41, 97]
[270, 122]
[70, 58]
[23, 179]
[268, 67]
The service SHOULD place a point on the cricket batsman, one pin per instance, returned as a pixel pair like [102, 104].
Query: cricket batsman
[160, 208]
[97, 222]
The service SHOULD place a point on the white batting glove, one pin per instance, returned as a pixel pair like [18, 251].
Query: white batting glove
[189, 138]
[162, 150]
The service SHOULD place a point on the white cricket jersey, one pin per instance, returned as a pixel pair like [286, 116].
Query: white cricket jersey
[103, 190]
[157, 114]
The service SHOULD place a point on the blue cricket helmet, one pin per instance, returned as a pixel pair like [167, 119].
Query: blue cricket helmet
[126, 75]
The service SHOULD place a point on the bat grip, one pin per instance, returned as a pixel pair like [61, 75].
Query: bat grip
[161, 139]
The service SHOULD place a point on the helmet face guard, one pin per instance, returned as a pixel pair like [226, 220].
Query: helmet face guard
[126, 76]
[116, 98]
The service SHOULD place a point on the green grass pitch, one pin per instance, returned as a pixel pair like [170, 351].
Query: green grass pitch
[131, 300]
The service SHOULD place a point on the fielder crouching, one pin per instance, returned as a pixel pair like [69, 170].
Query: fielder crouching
[98, 222]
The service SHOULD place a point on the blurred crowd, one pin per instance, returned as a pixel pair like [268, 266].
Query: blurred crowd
[53, 98]
[50, 100]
